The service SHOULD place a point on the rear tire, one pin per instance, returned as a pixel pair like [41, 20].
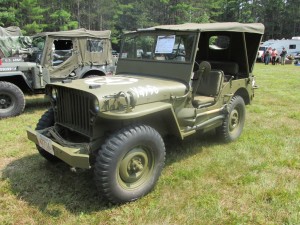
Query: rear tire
[129, 163]
[12, 100]
[233, 123]
[47, 120]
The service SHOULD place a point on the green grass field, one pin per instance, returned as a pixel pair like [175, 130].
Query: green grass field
[254, 180]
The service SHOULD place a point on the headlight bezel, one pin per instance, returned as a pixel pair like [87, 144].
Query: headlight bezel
[54, 94]
[96, 105]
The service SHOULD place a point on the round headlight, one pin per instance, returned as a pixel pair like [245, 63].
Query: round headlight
[96, 105]
[54, 93]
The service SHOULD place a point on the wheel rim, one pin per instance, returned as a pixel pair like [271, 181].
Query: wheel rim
[135, 167]
[6, 102]
[234, 120]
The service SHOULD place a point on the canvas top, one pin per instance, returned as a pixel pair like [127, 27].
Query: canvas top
[10, 31]
[204, 27]
[78, 33]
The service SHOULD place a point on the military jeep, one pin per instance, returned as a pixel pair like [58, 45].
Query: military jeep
[170, 80]
[52, 57]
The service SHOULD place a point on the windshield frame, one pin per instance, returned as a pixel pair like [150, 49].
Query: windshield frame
[170, 69]
[179, 48]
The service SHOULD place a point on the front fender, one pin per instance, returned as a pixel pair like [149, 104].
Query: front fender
[153, 110]
[139, 111]
[86, 71]
[16, 77]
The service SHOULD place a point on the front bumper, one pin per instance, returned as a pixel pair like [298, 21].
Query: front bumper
[71, 156]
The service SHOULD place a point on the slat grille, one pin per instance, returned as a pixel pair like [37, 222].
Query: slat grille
[73, 110]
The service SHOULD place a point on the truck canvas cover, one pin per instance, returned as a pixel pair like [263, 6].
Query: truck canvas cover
[86, 47]
[12, 38]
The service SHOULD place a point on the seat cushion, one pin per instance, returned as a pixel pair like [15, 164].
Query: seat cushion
[200, 100]
[229, 68]
[210, 84]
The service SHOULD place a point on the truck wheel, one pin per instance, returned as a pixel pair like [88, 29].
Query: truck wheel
[129, 163]
[233, 124]
[12, 100]
[47, 120]
[89, 76]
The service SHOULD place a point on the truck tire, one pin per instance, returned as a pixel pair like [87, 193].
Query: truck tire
[12, 100]
[90, 76]
[129, 163]
[233, 123]
[47, 120]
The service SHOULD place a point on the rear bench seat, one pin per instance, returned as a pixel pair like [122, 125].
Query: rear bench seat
[229, 68]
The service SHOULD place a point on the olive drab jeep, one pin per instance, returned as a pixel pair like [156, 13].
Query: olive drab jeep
[52, 57]
[170, 80]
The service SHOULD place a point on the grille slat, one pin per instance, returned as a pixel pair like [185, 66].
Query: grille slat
[73, 110]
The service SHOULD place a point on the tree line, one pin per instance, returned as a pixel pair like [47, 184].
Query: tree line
[280, 17]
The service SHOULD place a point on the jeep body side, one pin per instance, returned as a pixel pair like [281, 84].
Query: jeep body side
[170, 80]
[53, 56]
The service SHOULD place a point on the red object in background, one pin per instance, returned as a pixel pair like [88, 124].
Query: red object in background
[0, 61]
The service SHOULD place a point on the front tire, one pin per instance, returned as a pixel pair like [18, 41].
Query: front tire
[90, 76]
[233, 123]
[129, 163]
[47, 120]
[12, 100]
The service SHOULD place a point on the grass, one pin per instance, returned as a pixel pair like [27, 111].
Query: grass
[254, 180]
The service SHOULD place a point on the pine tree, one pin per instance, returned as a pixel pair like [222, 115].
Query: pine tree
[31, 16]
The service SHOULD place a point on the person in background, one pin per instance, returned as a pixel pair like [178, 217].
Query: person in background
[267, 56]
[283, 56]
[274, 56]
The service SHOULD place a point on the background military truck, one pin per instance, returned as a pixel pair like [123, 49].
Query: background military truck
[52, 57]
[170, 80]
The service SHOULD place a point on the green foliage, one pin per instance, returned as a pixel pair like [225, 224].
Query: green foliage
[31, 16]
[8, 16]
[32, 10]
[281, 17]
[62, 19]
[8, 13]
[32, 28]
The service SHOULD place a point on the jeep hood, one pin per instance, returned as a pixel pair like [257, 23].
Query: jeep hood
[16, 66]
[146, 89]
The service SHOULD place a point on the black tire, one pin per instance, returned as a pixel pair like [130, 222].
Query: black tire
[47, 120]
[233, 123]
[129, 163]
[90, 76]
[12, 100]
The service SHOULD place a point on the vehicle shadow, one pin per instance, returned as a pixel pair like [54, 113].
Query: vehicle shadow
[177, 150]
[46, 186]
